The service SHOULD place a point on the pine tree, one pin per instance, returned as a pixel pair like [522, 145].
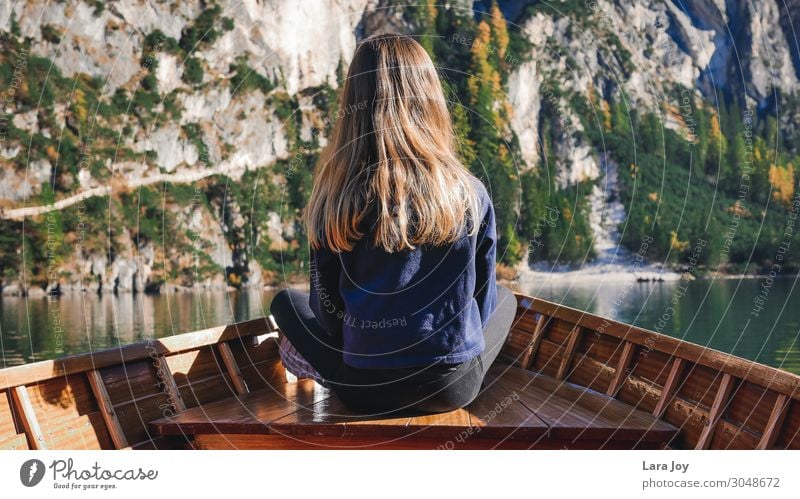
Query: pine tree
[701, 134]
[424, 17]
[717, 147]
[733, 166]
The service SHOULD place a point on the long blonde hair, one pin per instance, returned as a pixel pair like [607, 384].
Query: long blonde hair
[390, 159]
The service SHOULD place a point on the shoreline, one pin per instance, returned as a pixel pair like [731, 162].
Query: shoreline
[531, 276]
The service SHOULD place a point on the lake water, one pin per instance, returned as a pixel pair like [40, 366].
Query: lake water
[720, 314]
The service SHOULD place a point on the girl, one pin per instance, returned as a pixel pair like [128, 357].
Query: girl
[404, 312]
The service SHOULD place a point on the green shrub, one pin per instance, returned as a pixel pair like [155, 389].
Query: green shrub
[201, 31]
[150, 83]
[51, 34]
[246, 79]
[192, 71]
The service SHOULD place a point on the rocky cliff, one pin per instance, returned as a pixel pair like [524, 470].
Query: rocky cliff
[260, 67]
[648, 49]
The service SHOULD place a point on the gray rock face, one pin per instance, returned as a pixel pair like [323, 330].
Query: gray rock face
[19, 185]
[523, 95]
[710, 46]
[266, 34]
[770, 63]
[123, 272]
[302, 42]
[298, 45]
[12, 289]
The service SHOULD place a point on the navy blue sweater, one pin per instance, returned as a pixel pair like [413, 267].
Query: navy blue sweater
[409, 308]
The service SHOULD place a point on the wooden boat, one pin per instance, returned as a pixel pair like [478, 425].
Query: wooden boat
[565, 379]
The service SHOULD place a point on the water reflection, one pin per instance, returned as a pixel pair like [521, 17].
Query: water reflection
[37, 329]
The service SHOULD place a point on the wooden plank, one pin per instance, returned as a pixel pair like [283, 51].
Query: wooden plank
[8, 420]
[669, 387]
[134, 416]
[163, 443]
[68, 413]
[789, 436]
[496, 413]
[12, 435]
[520, 335]
[30, 424]
[264, 374]
[760, 374]
[48, 369]
[774, 423]
[292, 442]
[729, 436]
[195, 365]
[622, 367]
[233, 369]
[591, 373]
[600, 347]
[507, 411]
[164, 374]
[651, 367]
[688, 418]
[204, 391]
[331, 418]
[577, 413]
[107, 409]
[639, 393]
[249, 413]
[14, 442]
[447, 425]
[546, 356]
[718, 407]
[264, 348]
[536, 338]
[699, 385]
[132, 380]
[84, 432]
[569, 352]
[750, 408]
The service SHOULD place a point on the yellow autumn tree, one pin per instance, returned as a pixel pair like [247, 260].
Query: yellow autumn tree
[481, 69]
[606, 109]
[676, 244]
[79, 105]
[782, 180]
[52, 153]
[499, 30]
[431, 9]
[717, 146]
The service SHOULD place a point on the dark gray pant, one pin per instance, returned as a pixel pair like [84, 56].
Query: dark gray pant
[436, 388]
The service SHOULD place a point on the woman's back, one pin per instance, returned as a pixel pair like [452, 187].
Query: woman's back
[403, 307]
[409, 308]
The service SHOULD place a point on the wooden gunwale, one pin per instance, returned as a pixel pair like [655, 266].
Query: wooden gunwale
[769, 377]
[38, 371]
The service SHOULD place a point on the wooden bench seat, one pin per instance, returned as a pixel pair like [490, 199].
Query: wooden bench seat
[517, 409]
